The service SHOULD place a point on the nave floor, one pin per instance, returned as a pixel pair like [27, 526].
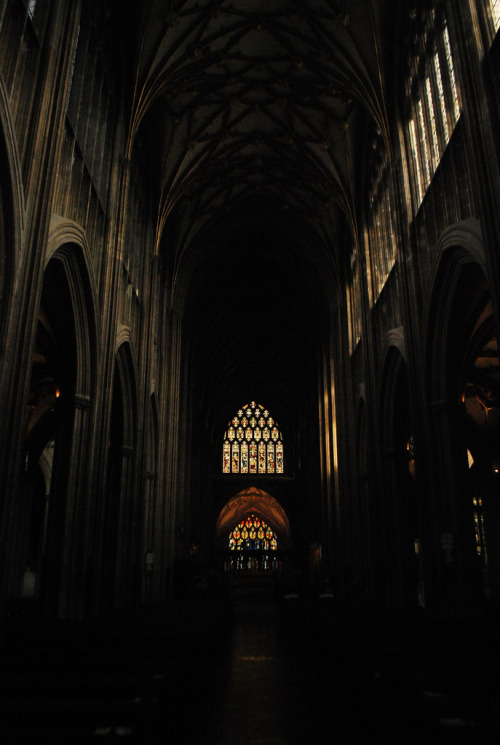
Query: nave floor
[266, 671]
[296, 672]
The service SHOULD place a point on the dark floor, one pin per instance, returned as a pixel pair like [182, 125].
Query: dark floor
[260, 670]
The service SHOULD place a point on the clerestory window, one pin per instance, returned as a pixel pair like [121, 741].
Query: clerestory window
[495, 13]
[253, 443]
[433, 100]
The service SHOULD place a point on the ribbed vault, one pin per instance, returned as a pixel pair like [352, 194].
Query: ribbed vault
[253, 97]
[260, 115]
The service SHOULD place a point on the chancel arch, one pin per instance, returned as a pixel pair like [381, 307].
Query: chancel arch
[262, 512]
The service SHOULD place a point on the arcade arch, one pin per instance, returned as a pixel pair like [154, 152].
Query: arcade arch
[57, 430]
[463, 384]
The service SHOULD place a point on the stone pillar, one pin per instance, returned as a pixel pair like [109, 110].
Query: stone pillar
[169, 446]
[47, 130]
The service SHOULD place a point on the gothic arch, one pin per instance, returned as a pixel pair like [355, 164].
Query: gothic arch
[458, 287]
[460, 345]
[398, 503]
[120, 565]
[125, 370]
[61, 412]
[394, 376]
[67, 247]
[262, 504]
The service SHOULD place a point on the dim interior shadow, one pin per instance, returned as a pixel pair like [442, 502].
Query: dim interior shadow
[291, 672]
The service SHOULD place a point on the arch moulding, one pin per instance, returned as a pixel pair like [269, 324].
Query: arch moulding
[258, 501]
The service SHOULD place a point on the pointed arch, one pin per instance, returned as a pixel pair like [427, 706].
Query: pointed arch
[120, 578]
[61, 405]
[461, 359]
[398, 504]
[126, 372]
[67, 248]
[256, 501]
[394, 399]
[458, 290]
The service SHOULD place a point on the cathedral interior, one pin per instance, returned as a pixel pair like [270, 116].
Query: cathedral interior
[249, 371]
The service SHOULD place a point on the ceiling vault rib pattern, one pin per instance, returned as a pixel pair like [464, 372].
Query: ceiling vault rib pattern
[258, 115]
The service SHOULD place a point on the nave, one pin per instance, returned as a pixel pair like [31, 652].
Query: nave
[250, 667]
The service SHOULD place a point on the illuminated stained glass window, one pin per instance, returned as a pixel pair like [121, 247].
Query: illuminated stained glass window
[435, 108]
[226, 465]
[425, 155]
[354, 289]
[433, 134]
[416, 160]
[451, 74]
[495, 13]
[381, 231]
[252, 534]
[440, 92]
[253, 443]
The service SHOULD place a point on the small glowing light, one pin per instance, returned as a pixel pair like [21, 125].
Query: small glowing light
[58, 393]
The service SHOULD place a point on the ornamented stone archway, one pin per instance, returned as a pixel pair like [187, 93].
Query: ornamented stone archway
[256, 501]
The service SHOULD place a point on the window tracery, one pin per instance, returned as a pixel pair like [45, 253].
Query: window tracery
[252, 534]
[434, 104]
[253, 443]
[495, 13]
[381, 231]
[354, 294]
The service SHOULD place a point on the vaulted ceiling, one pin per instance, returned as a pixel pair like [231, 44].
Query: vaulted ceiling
[259, 114]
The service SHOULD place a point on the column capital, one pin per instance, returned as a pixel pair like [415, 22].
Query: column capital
[81, 402]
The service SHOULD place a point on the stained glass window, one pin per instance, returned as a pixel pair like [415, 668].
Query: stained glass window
[451, 73]
[434, 109]
[433, 135]
[416, 160]
[354, 289]
[442, 100]
[381, 231]
[235, 464]
[252, 534]
[495, 12]
[253, 443]
[244, 457]
[226, 465]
